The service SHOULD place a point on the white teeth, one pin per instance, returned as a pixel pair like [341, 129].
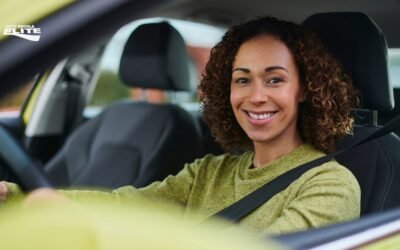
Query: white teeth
[260, 116]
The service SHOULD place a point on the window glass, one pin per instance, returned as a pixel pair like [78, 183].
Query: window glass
[199, 39]
[394, 60]
[109, 88]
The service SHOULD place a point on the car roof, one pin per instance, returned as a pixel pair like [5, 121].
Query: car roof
[384, 12]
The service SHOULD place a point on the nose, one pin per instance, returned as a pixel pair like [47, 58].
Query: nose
[259, 94]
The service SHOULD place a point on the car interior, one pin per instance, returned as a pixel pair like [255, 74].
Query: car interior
[136, 142]
[361, 47]
[102, 153]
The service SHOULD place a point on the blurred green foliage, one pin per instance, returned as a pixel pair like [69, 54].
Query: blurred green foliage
[109, 88]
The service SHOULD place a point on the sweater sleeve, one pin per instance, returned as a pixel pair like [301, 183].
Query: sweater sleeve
[325, 197]
[174, 190]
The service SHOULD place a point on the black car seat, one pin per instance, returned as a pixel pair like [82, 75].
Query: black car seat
[361, 47]
[135, 142]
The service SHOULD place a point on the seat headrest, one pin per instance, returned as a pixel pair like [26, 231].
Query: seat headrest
[358, 43]
[155, 57]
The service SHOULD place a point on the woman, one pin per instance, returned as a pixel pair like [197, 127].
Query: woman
[273, 92]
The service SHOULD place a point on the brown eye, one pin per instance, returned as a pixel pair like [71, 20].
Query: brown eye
[242, 80]
[274, 80]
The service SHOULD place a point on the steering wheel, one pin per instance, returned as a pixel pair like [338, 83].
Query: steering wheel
[20, 163]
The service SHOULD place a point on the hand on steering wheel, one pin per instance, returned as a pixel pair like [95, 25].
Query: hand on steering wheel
[21, 164]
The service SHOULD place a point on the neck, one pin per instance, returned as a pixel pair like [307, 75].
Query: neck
[265, 153]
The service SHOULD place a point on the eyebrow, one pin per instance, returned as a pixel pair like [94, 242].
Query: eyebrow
[272, 68]
[241, 69]
[267, 69]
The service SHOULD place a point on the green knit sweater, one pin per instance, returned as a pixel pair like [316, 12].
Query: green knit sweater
[324, 195]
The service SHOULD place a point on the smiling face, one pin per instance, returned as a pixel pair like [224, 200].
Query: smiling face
[266, 91]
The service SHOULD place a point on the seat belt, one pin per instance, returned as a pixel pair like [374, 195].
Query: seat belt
[247, 204]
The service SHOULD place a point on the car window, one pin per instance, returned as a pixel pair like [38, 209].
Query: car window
[199, 39]
[394, 60]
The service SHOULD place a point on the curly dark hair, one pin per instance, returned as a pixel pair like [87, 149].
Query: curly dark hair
[325, 114]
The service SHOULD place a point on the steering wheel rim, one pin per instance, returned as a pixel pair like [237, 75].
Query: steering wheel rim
[18, 161]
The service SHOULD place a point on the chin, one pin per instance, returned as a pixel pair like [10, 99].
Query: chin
[260, 139]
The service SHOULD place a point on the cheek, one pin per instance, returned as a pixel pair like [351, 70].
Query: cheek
[289, 100]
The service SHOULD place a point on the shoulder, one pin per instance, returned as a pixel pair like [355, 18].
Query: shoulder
[332, 170]
[331, 176]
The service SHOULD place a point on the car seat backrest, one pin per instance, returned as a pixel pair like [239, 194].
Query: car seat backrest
[358, 43]
[135, 142]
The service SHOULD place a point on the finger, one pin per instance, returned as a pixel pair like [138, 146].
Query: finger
[44, 195]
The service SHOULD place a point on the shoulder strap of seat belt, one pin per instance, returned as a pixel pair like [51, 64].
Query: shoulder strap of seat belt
[247, 204]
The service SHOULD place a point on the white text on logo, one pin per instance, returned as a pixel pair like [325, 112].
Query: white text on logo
[28, 32]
